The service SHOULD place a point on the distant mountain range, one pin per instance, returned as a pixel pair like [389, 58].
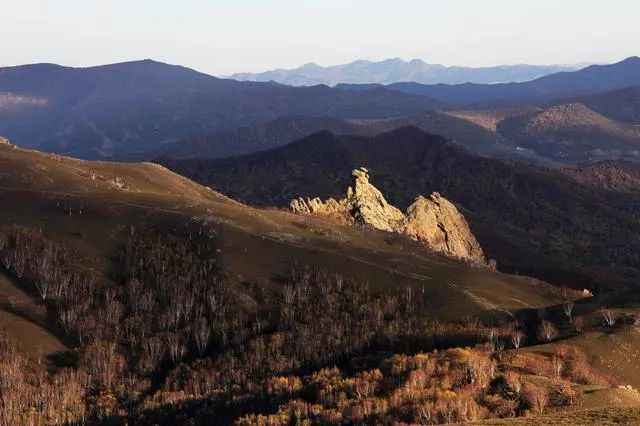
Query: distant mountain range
[397, 70]
[138, 106]
[144, 109]
[592, 79]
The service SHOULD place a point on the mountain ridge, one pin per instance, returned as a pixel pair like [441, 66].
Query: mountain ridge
[97, 112]
[394, 70]
[589, 80]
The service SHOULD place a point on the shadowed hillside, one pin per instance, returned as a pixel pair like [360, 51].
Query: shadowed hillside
[533, 220]
[264, 136]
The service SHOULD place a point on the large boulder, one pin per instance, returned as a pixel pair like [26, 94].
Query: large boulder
[433, 220]
[436, 222]
[366, 204]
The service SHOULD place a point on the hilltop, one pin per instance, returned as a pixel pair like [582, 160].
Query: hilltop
[572, 133]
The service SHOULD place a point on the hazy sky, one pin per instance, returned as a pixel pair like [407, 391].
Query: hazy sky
[225, 36]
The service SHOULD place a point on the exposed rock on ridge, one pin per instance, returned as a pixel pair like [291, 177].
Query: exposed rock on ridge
[432, 220]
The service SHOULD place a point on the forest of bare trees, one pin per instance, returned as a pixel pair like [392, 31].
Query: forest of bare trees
[168, 336]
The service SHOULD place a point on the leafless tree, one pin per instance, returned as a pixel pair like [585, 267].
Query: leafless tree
[154, 348]
[568, 309]
[558, 365]
[516, 339]
[609, 317]
[201, 335]
[175, 345]
[547, 331]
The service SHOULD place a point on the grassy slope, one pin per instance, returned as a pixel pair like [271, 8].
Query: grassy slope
[33, 339]
[95, 217]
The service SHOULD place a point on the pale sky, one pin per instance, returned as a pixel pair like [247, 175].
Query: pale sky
[224, 36]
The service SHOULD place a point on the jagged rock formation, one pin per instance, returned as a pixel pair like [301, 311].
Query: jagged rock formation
[436, 222]
[367, 205]
[4, 141]
[331, 207]
[432, 220]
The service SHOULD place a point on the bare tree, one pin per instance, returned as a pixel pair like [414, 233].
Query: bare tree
[608, 316]
[568, 309]
[201, 335]
[547, 331]
[516, 339]
[558, 365]
[537, 396]
[175, 344]
[154, 348]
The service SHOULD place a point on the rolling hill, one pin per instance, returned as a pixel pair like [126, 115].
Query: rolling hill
[534, 220]
[98, 257]
[154, 256]
[282, 131]
[572, 133]
[138, 106]
[68, 198]
[621, 105]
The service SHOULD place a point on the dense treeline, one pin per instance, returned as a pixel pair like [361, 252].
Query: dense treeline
[168, 339]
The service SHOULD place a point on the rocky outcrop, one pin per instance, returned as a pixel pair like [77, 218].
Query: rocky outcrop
[436, 222]
[367, 205]
[433, 220]
[331, 207]
[4, 141]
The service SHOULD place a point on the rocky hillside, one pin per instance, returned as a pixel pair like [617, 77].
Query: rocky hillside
[529, 219]
[433, 221]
